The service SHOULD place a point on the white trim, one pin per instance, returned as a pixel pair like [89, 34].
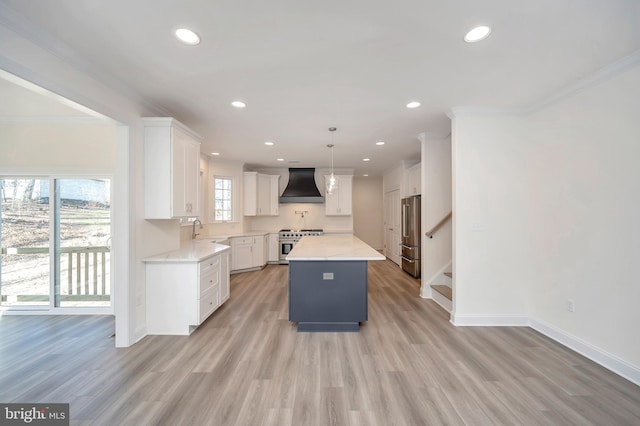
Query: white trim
[595, 354]
[621, 65]
[489, 320]
[599, 356]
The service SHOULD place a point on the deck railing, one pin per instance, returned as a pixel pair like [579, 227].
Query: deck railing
[84, 271]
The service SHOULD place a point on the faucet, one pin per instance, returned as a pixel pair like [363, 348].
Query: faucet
[193, 234]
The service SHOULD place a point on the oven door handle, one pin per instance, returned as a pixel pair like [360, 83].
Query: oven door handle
[408, 260]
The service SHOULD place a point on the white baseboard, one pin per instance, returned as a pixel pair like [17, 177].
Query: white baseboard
[609, 361]
[595, 354]
[489, 320]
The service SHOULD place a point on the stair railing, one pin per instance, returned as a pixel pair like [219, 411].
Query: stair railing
[438, 225]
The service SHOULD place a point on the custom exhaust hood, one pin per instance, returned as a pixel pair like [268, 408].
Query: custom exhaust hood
[301, 187]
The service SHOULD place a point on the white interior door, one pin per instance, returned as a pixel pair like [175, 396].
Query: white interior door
[392, 226]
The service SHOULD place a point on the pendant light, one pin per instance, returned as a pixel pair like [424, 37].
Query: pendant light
[332, 182]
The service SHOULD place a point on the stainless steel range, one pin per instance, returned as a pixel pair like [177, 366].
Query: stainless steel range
[289, 237]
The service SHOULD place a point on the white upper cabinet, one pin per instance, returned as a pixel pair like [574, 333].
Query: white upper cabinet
[171, 169]
[340, 202]
[413, 180]
[260, 194]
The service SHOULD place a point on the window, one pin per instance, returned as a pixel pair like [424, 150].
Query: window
[222, 199]
[55, 239]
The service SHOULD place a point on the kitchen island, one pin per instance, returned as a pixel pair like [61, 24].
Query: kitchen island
[328, 282]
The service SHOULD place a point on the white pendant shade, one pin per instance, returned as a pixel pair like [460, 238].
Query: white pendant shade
[331, 183]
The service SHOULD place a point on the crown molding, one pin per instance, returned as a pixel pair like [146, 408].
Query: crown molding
[613, 69]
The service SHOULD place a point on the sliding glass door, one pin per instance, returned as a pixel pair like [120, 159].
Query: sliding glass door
[25, 268]
[55, 240]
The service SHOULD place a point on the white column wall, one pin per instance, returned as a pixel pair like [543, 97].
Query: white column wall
[492, 218]
[587, 191]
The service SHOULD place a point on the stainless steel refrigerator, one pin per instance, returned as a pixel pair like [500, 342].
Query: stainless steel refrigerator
[411, 235]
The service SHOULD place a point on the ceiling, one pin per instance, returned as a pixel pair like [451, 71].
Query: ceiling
[304, 66]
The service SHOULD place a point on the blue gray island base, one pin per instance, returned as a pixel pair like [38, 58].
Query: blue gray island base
[327, 295]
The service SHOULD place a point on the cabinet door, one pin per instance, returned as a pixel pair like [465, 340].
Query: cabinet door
[264, 189]
[192, 177]
[178, 172]
[250, 188]
[274, 194]
[274, 252]
[258, 258]
[241, 256]
[224, 277]
[345, 195]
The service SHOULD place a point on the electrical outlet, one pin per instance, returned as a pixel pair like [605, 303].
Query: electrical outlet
[571, 305]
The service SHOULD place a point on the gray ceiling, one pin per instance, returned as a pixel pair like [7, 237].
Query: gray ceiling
[303, 66]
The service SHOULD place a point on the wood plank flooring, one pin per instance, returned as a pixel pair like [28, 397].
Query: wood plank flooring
[247, 365]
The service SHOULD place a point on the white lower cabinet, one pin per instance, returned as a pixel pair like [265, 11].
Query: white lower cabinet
[248, 252]
[273, 248]
[181, 295]
[241, 253]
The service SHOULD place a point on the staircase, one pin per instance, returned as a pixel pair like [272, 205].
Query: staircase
[442, 294]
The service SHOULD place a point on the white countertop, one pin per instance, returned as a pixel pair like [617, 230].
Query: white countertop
[194, 251]
[333, 247]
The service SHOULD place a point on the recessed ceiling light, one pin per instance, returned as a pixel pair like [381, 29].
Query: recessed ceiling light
[215, 153]
[238, 104]
[187, 36]
[380, 143]
[477, 34]
[366, 159]
[413, 104]
[268, 143]
[280, 159]
[365, 175]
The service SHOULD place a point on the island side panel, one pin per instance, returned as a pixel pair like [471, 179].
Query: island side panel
[327, 295]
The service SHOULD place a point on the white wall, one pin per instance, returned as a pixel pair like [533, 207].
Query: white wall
[492, 256]
[436, 204]
[40, 59]
[57, 148]
[586, 149]
[546, 209]
[368, 209]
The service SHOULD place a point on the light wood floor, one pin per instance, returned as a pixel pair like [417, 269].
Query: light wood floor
[248, 366]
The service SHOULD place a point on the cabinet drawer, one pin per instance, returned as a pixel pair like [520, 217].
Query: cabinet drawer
[241, 240]
[209, 265]
[208, 280]
[209, 301]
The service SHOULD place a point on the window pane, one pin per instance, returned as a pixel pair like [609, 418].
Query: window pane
[222, 199]
[24, 238]
[85, 234]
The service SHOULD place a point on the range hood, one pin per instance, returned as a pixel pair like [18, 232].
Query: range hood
[301, 187]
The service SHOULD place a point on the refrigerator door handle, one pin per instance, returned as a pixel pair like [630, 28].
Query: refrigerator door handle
[405, 220]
